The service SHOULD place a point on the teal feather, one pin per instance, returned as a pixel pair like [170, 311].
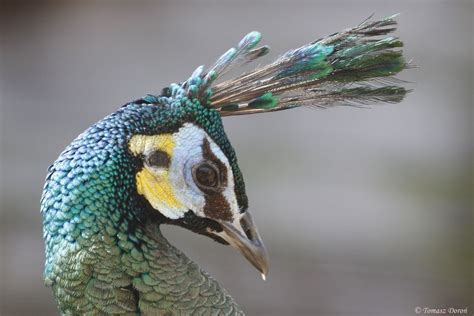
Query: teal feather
[249, 41]
[356, 56]
[311, 59]
[369, 47]
[266, 101]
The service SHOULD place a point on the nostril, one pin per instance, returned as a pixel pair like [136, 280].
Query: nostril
[249, 232]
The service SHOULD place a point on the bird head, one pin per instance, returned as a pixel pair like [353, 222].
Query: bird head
[186, 171]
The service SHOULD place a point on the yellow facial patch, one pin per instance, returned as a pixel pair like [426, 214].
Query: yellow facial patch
[155, 186]
[140, 144]
[154, 183]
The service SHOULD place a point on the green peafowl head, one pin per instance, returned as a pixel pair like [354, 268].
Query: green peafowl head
[166, 158]
[186, 171]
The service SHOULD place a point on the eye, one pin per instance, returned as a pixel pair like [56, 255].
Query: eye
[158, 158]
[207, 176]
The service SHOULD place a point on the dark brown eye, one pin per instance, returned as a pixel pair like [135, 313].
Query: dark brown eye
[206, 176]
[158, 158]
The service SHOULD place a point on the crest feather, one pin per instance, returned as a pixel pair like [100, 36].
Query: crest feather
[353, 67]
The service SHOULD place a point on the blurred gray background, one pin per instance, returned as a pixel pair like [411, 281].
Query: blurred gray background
[364, 212]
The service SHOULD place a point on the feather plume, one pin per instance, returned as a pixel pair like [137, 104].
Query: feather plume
[354, 67]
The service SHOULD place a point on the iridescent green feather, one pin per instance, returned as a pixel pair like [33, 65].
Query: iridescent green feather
[320, 73]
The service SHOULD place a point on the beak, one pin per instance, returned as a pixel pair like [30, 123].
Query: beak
[242, 234]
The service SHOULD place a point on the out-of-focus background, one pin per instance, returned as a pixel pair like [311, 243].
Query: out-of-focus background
[364, 212]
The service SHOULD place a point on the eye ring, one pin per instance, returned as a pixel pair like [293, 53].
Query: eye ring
[157, 159]
[207, 176]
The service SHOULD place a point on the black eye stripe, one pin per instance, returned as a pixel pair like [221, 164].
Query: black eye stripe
[209, 155]
[158, 158]
[216, 206]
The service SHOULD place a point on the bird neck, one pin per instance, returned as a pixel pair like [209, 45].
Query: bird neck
[165, 279]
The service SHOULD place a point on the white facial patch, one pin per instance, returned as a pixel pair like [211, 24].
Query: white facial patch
[188, 153]
[171, 189]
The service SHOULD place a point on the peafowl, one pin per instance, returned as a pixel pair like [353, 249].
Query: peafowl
[165, 159]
